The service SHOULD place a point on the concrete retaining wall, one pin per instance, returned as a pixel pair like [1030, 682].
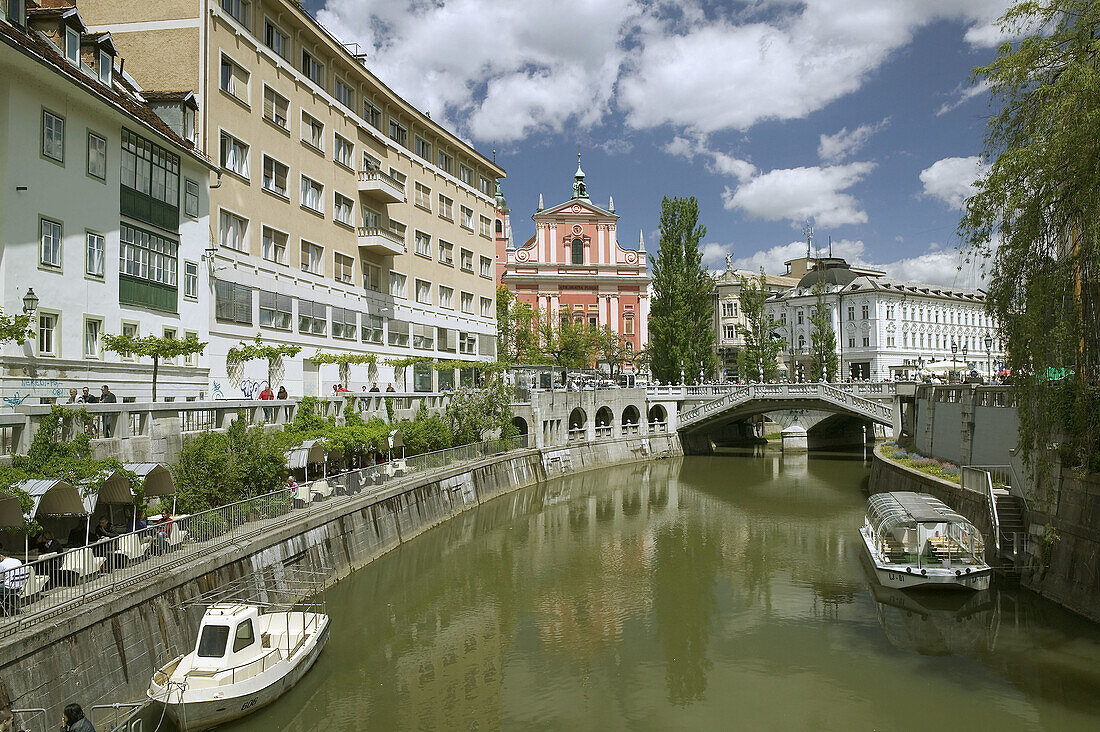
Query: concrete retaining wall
[888, 476]
[106, 651]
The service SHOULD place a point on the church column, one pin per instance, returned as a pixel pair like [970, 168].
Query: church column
[614, 315]
[601, 244]
[643, 320]
[540, 246]
[552, 243]
[612, 243]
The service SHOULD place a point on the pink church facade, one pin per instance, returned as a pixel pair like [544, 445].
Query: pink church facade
[574, 267]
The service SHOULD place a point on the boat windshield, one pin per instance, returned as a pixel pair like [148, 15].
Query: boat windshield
[212, 641]
[887, 511]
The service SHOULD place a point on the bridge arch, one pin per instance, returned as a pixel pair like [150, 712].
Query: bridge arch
[604, 416]
[657, 415]
[630, 416]
[520, 424]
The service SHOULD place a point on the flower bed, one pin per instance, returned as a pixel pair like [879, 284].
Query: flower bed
[929, 466]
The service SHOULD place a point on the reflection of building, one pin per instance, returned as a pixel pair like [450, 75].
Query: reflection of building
[452, 679]
[728, 316]
[103, 213]
[346, 220]
[885, 328]
[574, 268]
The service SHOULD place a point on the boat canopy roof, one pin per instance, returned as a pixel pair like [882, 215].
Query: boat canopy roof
[887, 510]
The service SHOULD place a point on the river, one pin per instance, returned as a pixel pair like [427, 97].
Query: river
[701, 593]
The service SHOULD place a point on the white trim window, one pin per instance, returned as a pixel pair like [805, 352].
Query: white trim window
[234, 155]
[343, 93]
[191, 280]
[276, 310]
[233, 230]
[343, 209]
[467, 220]
[97, 156]
[313, 69]
[275, 39]
[344, 323]
[343, 152]
[313, 132]
[313, 258]
[486, 267]
[466, 300]
[486, 307]
[371, 328]
[72, 45]
[275, 175]
[93, 332]
[94, 254]
[239, 9]
[446, 297]
[106, 67]
[445, 162]
[234, 79]
[486, 227]
[399, 134]
[47, 334]
[343, 268]
[466, 260]
[446, 208]
[424, 292]
[273, 245]
[372, 115]
[372, 276]
[466, 175]
[313, 195]
[446, 253]
[423, 197]
[422, 148]
[53, 136]
[312, 317]
[191, 197]
[485, 186]
[51, 237]
[423, 244]
[397, 284]
[276, 108]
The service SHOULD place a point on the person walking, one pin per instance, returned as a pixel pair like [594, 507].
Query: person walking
[267, 395]
[374, 387]
[107, 397]
[73, 720]
[87, 397]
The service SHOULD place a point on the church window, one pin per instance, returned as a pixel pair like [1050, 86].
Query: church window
[578, 251]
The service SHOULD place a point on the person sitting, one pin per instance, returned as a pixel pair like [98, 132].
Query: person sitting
[77, 536]
[45, 543]
[140, 523]
[103, 530]
[74, 720]
[12, 576]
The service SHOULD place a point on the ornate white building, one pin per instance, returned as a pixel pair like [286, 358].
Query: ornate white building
[887, 328]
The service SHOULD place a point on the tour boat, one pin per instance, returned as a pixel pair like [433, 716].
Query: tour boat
[242, 661]
[915, 541]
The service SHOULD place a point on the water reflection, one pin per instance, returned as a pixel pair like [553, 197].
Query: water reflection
[702, 594]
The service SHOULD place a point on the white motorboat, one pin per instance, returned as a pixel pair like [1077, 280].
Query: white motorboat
[242, 661]
[914, 540]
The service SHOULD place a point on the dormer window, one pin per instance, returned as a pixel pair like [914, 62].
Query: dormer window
[72, 45]
[189, 124]
[106, 64]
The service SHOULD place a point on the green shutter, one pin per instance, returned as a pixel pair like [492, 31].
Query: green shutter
[142, 293]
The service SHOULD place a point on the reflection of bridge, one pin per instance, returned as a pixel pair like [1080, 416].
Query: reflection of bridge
[749, 399]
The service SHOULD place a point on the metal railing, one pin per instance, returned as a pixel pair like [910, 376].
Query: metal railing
[826, 392]
[56, 583]
[980, 481]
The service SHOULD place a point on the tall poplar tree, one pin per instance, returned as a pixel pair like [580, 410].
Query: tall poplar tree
[758, 357]
[823, 358]
[681, 319]
[1041, 200]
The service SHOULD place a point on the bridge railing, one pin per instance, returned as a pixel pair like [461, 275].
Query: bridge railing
[826, 392]
[877, 389]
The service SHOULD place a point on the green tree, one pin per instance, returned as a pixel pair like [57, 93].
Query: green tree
[15, 328]
[612, 349]
[681, 321]
[823, 358]
[154, 347]
[216, 468]
[565, 343]
[516, 341]
[475, 413]
[345, 360]
[258, 350]
[759, 354]
[1039, 199]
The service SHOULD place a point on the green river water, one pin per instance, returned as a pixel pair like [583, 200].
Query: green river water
[701, 593]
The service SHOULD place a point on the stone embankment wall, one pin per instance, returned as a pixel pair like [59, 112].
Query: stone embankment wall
[106, 651]
[966, 424]
[1066, 569]
[888, 476]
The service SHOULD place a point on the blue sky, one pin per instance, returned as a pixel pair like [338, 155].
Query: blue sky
[855, 115]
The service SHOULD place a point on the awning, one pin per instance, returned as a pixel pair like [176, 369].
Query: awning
[310, 451]
[53, 497]
[158, 478]
[11, 512]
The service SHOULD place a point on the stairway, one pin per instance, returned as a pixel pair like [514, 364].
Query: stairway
[1013, 530]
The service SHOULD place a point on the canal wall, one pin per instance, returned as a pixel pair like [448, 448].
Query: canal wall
[965, 424]
[105, 651]
[888, 476]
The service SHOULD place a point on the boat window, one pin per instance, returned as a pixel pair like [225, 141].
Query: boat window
[212, 641]
[243, 637]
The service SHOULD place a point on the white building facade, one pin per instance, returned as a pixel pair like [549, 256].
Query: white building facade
[103, 217]
[887, 329]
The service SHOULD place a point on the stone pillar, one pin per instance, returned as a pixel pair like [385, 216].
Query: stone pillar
[794, 439]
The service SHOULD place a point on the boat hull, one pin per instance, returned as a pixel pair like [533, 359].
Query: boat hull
[925, 578]
[195, 715]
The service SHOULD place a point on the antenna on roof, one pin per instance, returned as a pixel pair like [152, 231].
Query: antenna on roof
[808, 230]
[830, 246]
[494, 154]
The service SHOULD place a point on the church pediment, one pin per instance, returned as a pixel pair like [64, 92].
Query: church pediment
[576, 207]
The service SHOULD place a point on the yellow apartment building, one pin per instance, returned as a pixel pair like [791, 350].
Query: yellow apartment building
[345, 220]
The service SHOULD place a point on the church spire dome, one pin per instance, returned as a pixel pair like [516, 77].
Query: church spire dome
[579, 190]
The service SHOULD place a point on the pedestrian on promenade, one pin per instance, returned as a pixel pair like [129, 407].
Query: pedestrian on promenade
[87, 397]
[107, 397]
[390, 388]
[73, 398]
[282, 393]
[374, 387]
[74, 720]
[267, 395]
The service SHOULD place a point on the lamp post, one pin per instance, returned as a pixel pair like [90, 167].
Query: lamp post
[966, 365]
[30, 302]
[989, 356]
[681, 372]
[954, 350]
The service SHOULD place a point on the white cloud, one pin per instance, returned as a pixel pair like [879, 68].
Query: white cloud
[835, 148]
[962, 96]
[801, 194]
[717, 162]
[714, 254]
[772, 259]
[501, 70]
[952, 179]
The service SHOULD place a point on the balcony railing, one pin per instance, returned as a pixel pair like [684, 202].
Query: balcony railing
[380, 186]
[377, 240]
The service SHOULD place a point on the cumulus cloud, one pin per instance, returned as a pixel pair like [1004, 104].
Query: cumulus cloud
[693, 146]
[772, 259]
[962, 96]
[500, 71]
[952, 179]
[801, 194]
[835, 148]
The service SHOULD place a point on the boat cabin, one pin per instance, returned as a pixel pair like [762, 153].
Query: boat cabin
[229, 637]
[919, 530]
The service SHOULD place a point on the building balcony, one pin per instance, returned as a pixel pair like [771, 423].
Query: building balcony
[381, 187]
[380, 241]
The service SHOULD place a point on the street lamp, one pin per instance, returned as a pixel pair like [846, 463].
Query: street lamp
[966, 364]
[954, 350]
[30, 302]
[989, 356]
[681, 372]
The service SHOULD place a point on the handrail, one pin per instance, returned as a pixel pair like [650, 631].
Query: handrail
[972, 474]
[826, 392]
